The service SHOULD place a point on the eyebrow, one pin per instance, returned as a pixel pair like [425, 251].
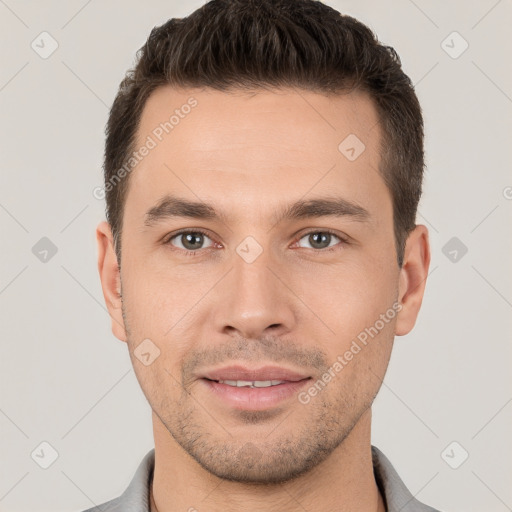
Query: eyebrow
[172, 206]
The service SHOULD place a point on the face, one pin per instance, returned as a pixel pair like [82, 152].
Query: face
[282, 276]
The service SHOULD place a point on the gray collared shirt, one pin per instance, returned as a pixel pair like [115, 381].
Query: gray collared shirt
[396, 495]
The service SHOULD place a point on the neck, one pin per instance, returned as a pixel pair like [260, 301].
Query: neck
[344, 481]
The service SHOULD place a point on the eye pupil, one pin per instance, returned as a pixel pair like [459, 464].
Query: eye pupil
[319, 238]
[192, 240]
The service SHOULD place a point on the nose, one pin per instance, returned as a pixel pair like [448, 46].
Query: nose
[254, 300]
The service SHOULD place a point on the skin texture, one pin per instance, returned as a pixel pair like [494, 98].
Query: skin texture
[298, 305]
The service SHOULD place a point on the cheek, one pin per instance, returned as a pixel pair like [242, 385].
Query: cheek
[159, 381]
[157, 294]
[358, 305]
[160, 304]
[346, 297]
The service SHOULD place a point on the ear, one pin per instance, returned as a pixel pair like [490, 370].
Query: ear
[110, 278]
[412, 280]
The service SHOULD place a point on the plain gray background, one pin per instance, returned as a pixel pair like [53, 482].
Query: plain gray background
[65, 380]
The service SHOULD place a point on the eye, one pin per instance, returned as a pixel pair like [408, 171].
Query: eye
[190, 241]
[321, 240]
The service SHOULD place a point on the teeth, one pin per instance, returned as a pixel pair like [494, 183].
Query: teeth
[252, 383]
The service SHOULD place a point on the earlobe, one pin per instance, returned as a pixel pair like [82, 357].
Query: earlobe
[412, 280]
[110, 278]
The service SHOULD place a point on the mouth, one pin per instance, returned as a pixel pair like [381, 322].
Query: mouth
[253, 389]
[238, 373]
[250, 384]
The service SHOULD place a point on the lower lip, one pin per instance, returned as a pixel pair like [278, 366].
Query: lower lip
[254, 399]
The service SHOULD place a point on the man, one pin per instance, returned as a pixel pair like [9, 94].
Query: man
[263, 166]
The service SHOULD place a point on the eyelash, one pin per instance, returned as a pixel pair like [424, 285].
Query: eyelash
[203, 232]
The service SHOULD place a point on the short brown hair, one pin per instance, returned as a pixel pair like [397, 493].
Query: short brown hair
[248, 44]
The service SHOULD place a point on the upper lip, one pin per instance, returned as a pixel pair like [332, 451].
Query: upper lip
[263, 373]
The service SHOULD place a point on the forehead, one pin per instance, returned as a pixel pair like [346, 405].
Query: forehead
[256, 146]
[204, 117]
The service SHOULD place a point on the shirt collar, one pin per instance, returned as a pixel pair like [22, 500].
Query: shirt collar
[396, 495]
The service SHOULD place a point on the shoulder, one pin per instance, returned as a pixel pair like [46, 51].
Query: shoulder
[115, 505]
[396, 494]
[136, 496]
